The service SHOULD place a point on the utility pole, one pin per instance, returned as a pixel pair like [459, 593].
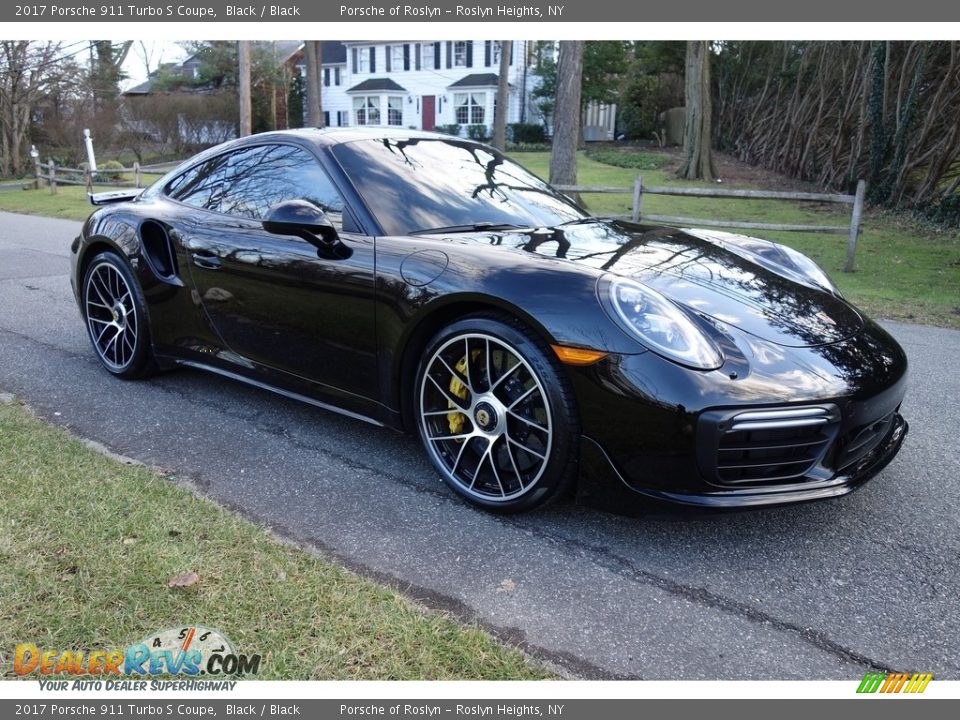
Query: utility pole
[246, 113]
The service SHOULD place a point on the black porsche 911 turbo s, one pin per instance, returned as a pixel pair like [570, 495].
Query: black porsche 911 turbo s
[432, 285]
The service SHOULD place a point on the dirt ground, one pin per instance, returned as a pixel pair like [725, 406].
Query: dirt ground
[731, 170]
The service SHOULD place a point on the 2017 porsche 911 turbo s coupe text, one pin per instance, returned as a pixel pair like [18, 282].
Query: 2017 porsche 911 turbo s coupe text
[430, 284]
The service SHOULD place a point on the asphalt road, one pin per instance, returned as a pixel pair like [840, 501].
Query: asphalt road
[822, 591]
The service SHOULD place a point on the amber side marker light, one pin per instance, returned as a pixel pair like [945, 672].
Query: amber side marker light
[577, 356]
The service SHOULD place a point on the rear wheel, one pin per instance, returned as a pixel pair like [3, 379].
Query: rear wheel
[496, 415]
[115, 312]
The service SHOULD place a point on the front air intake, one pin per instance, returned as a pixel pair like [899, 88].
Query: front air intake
[762, 447]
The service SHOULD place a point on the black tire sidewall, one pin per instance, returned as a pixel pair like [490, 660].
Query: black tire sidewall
[557, 475]
[142, 359]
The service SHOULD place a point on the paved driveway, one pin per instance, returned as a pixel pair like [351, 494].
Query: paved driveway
[822, 591]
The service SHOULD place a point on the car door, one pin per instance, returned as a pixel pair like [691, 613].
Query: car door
[276, 300]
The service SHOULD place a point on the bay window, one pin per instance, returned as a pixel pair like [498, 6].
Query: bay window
[470, 107]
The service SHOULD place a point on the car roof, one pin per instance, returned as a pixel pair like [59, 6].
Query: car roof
[337, 136]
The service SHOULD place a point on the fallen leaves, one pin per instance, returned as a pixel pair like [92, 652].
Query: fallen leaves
[184, 580]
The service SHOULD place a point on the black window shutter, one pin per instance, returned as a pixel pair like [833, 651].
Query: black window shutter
[511, 53]
[449, 54]
[436, 55]
[486, 52]
[354, 54]
[387, 53]
[406, 56]
[373, 59]
[416, 52]
[469, 53]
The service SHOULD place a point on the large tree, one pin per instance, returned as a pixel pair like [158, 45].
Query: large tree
[604, 63]
[246, 110]
[503, 97]
[698, 156]
[27, 71]
[566, 116]
[835, 112]
[311, 49]
[106, 73]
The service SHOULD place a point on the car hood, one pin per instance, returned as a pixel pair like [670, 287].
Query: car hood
[718, 275]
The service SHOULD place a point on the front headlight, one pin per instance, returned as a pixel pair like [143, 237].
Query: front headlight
[658, 323]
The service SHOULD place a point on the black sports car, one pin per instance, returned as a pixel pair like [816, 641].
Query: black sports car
[432, 285]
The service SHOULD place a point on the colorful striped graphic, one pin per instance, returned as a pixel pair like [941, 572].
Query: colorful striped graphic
[894, 682]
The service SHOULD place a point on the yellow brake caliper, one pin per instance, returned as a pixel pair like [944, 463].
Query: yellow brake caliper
[457, 388]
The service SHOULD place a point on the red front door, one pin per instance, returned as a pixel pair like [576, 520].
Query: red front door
[429, 111]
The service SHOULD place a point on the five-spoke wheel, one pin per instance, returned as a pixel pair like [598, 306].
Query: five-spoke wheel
[495, 415]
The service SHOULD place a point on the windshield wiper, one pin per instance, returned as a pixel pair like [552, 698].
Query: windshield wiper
[474, 227]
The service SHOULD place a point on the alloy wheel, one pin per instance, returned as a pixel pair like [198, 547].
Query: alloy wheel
[485, 417]
[111, 316]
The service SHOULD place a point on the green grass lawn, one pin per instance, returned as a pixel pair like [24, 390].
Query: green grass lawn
[88, 545]
[70, 202]
[905, 270]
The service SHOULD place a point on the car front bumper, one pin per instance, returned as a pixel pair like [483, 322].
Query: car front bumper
[800, 424]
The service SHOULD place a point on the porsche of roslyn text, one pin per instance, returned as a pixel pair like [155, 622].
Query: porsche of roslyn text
[432, 285]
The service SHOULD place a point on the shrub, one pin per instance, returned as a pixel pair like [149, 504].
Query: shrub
[526, 133]
[528, 147]
[111, 170]
[632, 160]
[477, 132]
[945, 213]
[452, 129]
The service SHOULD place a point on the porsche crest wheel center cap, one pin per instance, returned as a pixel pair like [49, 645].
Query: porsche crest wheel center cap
[119, 314]
[485, 416]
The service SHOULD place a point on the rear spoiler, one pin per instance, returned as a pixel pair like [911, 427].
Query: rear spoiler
[114, 196]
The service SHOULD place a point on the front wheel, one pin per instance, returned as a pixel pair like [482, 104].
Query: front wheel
[116, 316]
[496, 415]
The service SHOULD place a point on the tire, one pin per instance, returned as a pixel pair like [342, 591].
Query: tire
[505, 440]
[116, 317]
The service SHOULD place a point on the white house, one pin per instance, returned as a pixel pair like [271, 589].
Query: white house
[424, 85]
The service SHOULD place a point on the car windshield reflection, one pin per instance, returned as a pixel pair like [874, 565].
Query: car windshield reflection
[421, 185]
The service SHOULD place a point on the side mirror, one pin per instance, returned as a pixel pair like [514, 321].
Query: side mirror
[307, 221]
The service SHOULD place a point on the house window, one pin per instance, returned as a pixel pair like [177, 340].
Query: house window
[367, 109]
[336, 76]
[428, 53]
[343, 118]
[460, 54]
[326, 77]
[396, 57]
[470, 107]
[394, 111]
[363, 58]
[495, 53]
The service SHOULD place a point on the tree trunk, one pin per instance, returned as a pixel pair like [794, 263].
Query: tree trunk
[246, 115]
[566, 115]
[314, 84]
[698, 157]
[503, 97]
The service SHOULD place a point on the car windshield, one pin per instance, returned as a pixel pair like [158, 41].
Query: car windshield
[418, 185]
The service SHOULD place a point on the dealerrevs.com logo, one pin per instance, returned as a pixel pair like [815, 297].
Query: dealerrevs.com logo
[189, 650]
[910, 683]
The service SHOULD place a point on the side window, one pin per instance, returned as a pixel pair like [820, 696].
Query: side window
[258, 178]
[201, 185]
